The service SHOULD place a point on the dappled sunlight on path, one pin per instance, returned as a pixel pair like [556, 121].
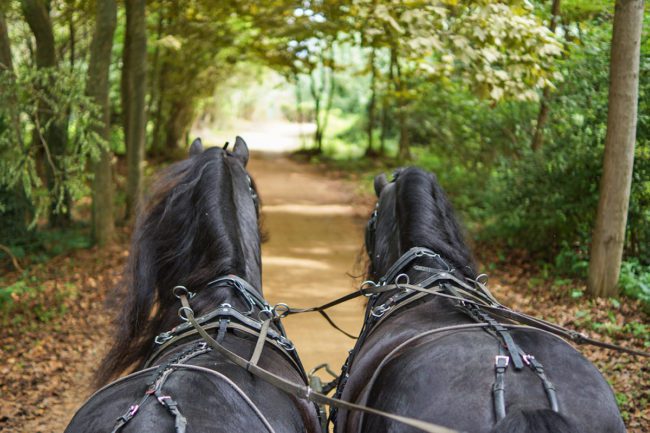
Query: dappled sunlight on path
[316, 233]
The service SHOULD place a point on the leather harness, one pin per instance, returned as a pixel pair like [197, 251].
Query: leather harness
[469, 300]
[474, 297]
[225, 318]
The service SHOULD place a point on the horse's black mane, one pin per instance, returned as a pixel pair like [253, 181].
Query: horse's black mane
[423, 217]
[199, 223]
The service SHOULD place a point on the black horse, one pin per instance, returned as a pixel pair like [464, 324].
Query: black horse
[199, 230]
[440, 359]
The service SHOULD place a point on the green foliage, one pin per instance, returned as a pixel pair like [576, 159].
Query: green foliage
[24, 149]
[33, 295]
[546, 201]
[30, 299]
[542, 202]
[635, 280]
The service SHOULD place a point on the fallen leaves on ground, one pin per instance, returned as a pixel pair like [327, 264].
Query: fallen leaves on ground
[48, 362]
[50, 359]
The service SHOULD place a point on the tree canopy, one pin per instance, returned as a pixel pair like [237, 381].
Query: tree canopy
[462, 88]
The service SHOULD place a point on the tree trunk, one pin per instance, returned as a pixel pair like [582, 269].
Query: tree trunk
[156, 85]
[385, 104]
[404, 152]
[134, 87]
[6, 63]
[372, 103]
[181, 115]
[97, 87]
[542, 117]
[316, 94]
[15, 215]
[55, 137]
[71, 29]
[331, 86]
[158, 138]
[609, 231]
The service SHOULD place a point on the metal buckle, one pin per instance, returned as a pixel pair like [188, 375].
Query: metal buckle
[501, 361]
[179, 291]
[367, 283]
[266, 314]
[281, 310]
[400, 276]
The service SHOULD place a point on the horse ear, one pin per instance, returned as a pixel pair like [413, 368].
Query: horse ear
[196, 147]
[380, 183]
[240, 150]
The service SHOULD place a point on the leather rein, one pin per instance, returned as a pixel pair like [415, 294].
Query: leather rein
[471, 297]
[441, 283]
[260, 327]
[224, 318]
[470, 293]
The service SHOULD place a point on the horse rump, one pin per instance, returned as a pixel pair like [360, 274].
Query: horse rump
[534, 421]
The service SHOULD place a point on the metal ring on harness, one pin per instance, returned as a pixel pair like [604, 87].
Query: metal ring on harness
[264, 315]
[397, 278]
[188, 311]
[369, 284]
[281, 310]
[178, 291]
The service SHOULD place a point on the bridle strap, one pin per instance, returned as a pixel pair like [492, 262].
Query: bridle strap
[298, 390]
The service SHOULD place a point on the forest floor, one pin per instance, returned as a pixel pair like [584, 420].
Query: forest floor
[315, 220]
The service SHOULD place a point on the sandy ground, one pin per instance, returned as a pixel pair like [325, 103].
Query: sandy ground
[316, 234]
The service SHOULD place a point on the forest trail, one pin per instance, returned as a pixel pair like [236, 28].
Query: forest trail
[315, 230]
[316, 234]
[315, 222]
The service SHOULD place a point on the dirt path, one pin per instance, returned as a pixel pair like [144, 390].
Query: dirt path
[316, 232]
[315, 225]
[315, 235]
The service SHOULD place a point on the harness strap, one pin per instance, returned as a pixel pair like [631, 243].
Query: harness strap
[501, 331]
[129, 414]
[298, 390]
[335, 326]
[154, 386]
[259, 346]
[498, 389]
[478, 295]
[180, 422]
[549, 388]
[235, 387]
[499, 310]
[288, 352]
[223, 328]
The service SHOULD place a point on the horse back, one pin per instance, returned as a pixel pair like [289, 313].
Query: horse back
[212, 394]
[447, 377]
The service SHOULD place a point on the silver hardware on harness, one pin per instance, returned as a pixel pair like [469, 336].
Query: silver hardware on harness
[164, 337]
[187, 310]
[379, 310]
